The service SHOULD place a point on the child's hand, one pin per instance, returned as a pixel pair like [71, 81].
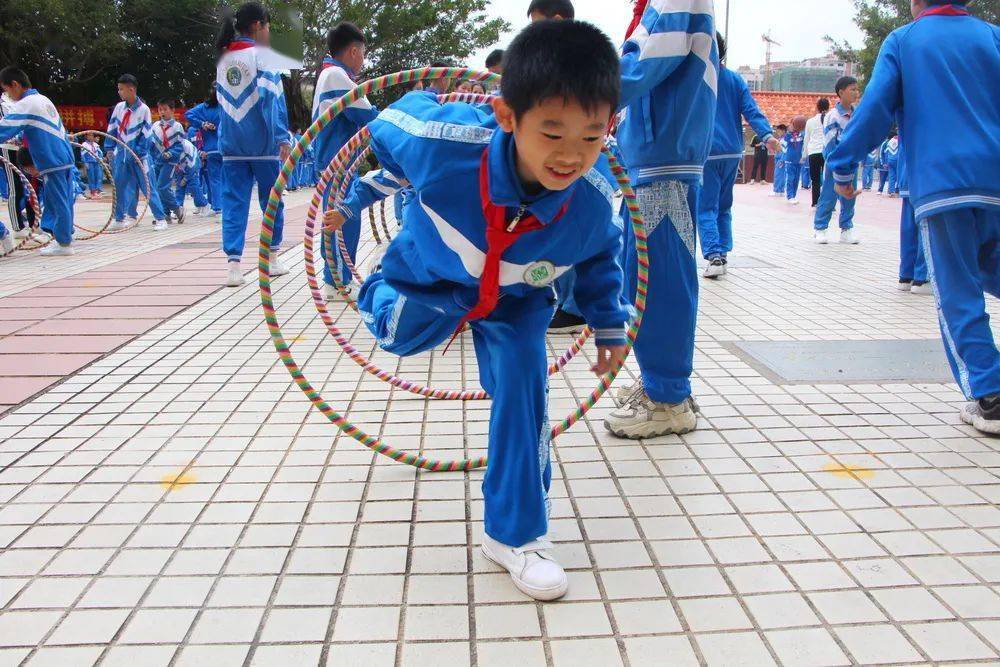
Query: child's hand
[333, 220]
[846, 190]
[609, 357]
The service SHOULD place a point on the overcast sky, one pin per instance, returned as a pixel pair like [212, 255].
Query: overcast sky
[798, 24]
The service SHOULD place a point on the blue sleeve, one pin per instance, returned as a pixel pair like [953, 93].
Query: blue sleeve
[273, 105]
[751, 112]
[196, 116]
[361, 117]
[668, 33]
[599, 285]
[371, 188]
[873, 118]
[110, 145]
[11, 125]
[142, 139]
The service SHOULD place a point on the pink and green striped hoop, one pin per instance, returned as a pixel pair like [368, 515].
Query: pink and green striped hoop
[271, 316]
[29, 190]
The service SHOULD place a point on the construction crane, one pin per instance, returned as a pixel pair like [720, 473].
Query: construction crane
[766, 37]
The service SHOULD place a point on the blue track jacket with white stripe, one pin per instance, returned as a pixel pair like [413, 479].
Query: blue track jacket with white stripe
[36, 116]
[670, 71]
[939, 69]
[136, 134]
[335, 81]
[254, 120]
[438, 256]
[166, 141]
[735, 103]
[197, 117]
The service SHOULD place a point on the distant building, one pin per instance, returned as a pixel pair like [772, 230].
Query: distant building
[817, 75]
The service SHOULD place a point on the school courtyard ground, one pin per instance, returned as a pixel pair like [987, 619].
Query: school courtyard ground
[168, 496]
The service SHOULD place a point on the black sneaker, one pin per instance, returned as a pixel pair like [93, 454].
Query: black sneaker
[983, 415]
[563, 322]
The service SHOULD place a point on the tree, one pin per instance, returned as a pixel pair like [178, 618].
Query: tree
[878, 18]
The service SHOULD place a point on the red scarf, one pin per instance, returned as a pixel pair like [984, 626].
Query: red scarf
[240, 44]
[163, 133]
[500, 235]
[637, 12]
[943, 10]
[123, 125]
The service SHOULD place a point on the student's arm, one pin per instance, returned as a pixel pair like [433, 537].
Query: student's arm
[273, 106]
[110, 145]
[196, 116]
[144, 136]
[335, 85]
[13, 124]
[599, 285]
[371, 188]
[669, 32]
[871, 120]
[751, 112]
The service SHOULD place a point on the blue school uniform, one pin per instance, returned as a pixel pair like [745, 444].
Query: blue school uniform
[868, 170]
[892, 159]
[197, 117]
[92, 156]
[912, 261]
[36, 118]
[780, 183]
[187, 175]
[882, 164]
[715, 216]
[671, 56]
[792, 144]
[132, 124]
[430, 278]
[253, 125]
[939, 67]
[833, 130]
[166, 150]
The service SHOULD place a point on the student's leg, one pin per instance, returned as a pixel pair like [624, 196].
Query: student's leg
[728, 177]
[847, 208]
[516, 484]
[401, 326]
[125, 185]
[806, 180]
[955, 243]
[791, 180]
[908, 243]
[238, 186]
[194, 187]
[920, 263]
[215, 186]
[57, 214]
[827, 200]
[155, 203]
[708, 209]
[883, 178]
[266, 173]
[352, 236]
[779, 177]
[866, 182]
[892, 179]
[165, 186]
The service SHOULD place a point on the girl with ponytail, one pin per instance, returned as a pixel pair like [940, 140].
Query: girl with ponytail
[253, 129]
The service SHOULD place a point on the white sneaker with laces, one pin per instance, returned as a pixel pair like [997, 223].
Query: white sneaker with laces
[715, 268]
[532, 567]
[848, 237]
[793, 202]
[277, 268]
[56, 250]
[235, 277]
[159, 225]
[641, 417]
[820, 236]
[7, 244]
[924, 288]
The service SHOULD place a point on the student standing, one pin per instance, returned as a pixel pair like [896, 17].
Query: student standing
[815, 143]
[205, 119]
[836, 122]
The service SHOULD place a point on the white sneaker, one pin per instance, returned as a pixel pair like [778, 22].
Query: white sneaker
[820, 236]
[56, 250]
[235, 277]
[922, 288]
[904, 285]
[641, 417]
[532, 567]
[973, 415]
[159, 225]
[716, 267]
[848, 237]
[7, 244]
[179, 211]
[277, 268]
[22, 233]
[116, 225]
[753, 182]
[331, 293]
[199, 211]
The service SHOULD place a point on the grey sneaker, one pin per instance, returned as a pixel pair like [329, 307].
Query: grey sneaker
[983, 415]
[641, 417]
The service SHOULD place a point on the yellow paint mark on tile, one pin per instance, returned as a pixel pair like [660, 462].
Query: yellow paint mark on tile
[841, 470]
[174, 482]
[91, 284]
[298, 339]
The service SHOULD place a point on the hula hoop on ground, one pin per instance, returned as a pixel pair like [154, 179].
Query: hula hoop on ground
[33, 202]
[274, 328]
[142, 170]
[114, 195]
[341, 179]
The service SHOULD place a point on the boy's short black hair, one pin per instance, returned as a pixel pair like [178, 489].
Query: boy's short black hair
[11, 74]
[844, 82]
[129, 80]
[552, 8]
[343, 35]
[568, 59]
[495, 58]
[168, 101]
[782, 127]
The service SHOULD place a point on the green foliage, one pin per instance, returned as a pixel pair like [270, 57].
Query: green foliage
[878, 18]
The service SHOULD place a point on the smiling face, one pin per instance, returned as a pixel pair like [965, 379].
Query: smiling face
[557, 141]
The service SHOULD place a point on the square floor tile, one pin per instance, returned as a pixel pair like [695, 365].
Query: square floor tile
[783, 610]
[808, 647]
[734, 648]
[948, 641]
[585, 653]
[575, 619]
[503, 621]
[157, 626]
[91, 626]
[877, 644]
[714, 614]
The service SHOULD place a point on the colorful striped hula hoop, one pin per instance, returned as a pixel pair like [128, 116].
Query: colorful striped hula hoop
[371, 221]
[271, 317]
[142, 170]
[34, 239]
[336, 177]
[114, 194]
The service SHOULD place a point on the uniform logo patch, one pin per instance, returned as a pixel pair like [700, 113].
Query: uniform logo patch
[234, 76]
[540, 273]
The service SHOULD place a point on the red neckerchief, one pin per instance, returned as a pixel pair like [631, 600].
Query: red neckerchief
[240, 44]
[943, 10]
[163, 133]
[500, 235]
[123, 125]
[637, 12]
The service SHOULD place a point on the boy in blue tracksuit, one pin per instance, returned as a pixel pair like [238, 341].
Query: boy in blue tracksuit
[912, 261]
[345, 57]
[293, 179]
[187, 177]
[167, 150]
[892, 159]
[670, 55]
[937, 69]
[92, 157]
[791, 148]
[715, 214]
[868, 171]
[253, 131]
[205, 119]
[35, 118]
[836, 122]
[778, 187]
[508, 198]
[131, 123]
[882, 164]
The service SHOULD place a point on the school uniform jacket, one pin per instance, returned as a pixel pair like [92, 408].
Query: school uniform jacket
[939, 68]
[437, 258]
[36, 117]
[132, 125]
[165, 138]
[254, 120]
[197, 117]
[734, 104]
[335, 81]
